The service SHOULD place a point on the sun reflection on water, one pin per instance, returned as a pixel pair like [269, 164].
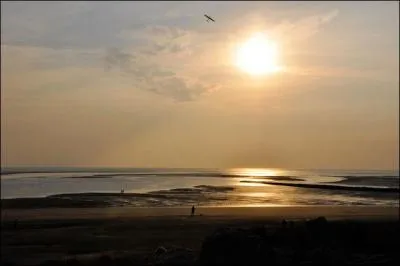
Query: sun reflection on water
[250, 172]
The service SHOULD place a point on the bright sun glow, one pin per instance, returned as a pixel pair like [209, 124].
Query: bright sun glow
[253, 172]
[258, 56]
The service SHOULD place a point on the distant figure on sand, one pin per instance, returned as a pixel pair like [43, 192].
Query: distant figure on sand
[193, 210]
[284, 223]
[15, 223]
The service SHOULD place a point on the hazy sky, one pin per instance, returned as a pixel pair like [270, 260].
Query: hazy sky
[152, 84]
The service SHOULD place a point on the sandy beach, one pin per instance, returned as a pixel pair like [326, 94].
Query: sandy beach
[53, 234]
[278, 212]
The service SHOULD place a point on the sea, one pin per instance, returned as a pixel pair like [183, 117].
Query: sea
[144, 187]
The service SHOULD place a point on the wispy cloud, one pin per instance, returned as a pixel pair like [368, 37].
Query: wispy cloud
[116, 58]
[150, 68]
[303, 28]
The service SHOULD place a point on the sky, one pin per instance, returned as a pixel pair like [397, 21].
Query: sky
[153, 84]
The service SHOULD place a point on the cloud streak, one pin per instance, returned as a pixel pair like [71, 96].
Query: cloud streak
[303, 28]
[116, 58]
[159, 76]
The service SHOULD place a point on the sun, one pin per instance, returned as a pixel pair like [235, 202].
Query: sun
[258, 56]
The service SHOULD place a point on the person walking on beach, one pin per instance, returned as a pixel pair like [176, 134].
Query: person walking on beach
[193, 210]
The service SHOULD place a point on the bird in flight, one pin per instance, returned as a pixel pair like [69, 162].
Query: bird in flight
[209, 18]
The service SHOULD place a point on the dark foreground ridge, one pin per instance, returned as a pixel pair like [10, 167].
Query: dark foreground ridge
[312, 242]
[316, 242]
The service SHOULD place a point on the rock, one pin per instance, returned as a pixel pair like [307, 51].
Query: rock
[172, 256]
[230, 246]
[159, 251]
